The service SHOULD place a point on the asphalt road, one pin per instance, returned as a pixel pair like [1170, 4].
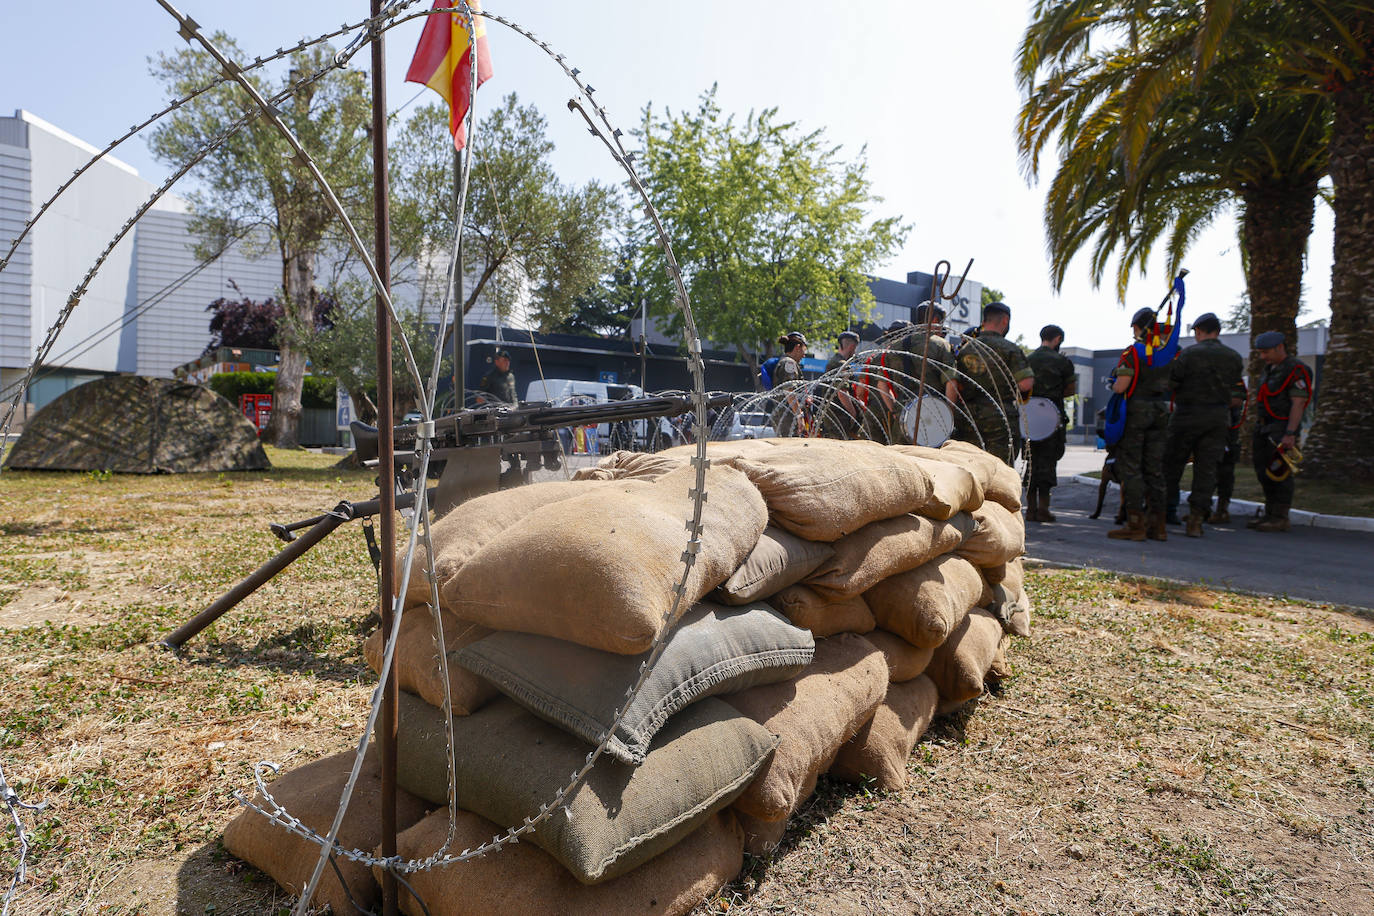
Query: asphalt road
[1314, 564]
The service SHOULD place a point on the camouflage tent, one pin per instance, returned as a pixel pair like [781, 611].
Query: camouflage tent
[139, 425]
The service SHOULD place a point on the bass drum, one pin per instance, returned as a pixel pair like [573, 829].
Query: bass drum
[937, 421]
[1039, 419]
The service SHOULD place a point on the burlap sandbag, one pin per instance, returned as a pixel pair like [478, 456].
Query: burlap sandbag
[778, 560]
[999, 480]
[925, 605]
[762, 837]
[523, 880]
[880, 749]
[812, 716]
[999, 536]
[458, 535]
[1006, 597]
[823, 489]
[624, 465]
[821, 614]
[509, 763]
[961, 664]
[312, 793]
[600, 569]
[904, 661]
[1000, 669]
[417, 660]
[731, 449]
[953, 489]
[884, 548]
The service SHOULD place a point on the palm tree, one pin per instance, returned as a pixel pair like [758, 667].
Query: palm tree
[1235, 136]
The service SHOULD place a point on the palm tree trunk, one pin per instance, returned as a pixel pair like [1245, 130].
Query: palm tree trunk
[1341, 444]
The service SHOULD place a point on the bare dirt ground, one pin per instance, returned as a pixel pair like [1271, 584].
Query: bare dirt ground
[1159, 749]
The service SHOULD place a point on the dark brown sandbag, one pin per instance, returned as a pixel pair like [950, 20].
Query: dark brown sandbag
[417, 660]
[522, 880]
[884, 548]
[624, 465]
[904, 661]
[813, 716]
[822, 615]
[600, 569]
[880, 749]
[999, 480]
[311, 793]
[999, 536]
[823, 489]
[961, 664]
[924, 606]
[778, 560]
[509, 763]
[458, 535]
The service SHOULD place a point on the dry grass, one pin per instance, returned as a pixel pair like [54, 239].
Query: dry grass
[1160, 749]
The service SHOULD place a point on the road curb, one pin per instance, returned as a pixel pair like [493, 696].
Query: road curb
[1246, 507]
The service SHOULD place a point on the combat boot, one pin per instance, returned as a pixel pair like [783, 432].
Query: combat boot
[1134, 529]
[1221, 515]
[1276, 521]
[1154, 525]
[1032, 504]
[1261, 518]
[1193, 525]
[1172, 516]
[1045, 514]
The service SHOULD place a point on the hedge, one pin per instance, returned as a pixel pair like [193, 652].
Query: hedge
[315, 391]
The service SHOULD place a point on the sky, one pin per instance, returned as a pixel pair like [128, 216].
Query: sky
[924, 90]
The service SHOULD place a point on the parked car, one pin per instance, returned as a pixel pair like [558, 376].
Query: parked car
[749, 425]
[637, 435]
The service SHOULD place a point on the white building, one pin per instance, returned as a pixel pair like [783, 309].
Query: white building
[144, 311]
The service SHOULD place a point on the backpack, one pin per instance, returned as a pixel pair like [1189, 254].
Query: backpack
[766, 372]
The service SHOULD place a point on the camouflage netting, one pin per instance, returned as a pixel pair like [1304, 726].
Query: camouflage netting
[137, 425]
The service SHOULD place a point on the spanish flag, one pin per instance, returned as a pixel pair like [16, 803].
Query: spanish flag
[443, 62]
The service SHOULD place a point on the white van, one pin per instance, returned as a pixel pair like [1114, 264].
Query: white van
[628, 434]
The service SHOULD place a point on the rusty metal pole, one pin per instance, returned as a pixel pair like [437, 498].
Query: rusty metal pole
[386, 458]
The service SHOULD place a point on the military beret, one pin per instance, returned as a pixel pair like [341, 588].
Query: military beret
[1143, 318]
[499, 354]
[1207, 321]
[996, 307]
[1268, 339]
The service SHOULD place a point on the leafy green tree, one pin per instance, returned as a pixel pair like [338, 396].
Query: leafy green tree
[769, 225]
[251, 187]
[991, 295]
[528, 238]
[609, 307]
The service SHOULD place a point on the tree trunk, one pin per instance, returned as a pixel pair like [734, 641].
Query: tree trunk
[1341, 444]
[283, 429]
[1277, 222]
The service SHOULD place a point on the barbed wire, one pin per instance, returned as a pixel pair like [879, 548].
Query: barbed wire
[12, 803]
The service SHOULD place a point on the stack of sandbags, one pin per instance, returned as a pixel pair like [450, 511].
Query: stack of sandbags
[839, 594]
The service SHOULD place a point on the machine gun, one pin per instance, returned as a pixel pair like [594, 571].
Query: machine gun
[468, 448]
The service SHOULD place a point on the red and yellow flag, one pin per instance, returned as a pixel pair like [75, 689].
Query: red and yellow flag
[443, 62]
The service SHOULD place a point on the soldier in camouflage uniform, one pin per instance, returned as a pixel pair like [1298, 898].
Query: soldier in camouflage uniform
[1055, 379]
[841, 417]
[1284, 393]
[1226, 470]
[1204, 379]
[995, 376]
[935, 351]
[498, 385]
[1140, 453]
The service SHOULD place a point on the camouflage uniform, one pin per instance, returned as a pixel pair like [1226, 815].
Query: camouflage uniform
[836, 420]
[1226, 470]
[939, 357]
[1203, 377]
[499, 387]
[990, 394]
[786, 370]
[1274, 403]
[1140, 453]
[1054, 373]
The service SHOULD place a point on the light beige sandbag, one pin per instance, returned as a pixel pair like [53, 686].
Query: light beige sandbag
[1000, 669]
[600, 569]
[925, 605]
[813, 716]
[762, 837]
[961, 664]
[884, 548]
[953, 489]
[458, 535]
[880, 749]
[722, 450]
[523, 880]
[1000, 482]
[823, 489]
[622, 465]
[904, 661]
[312, 793]
[1020, 623]
[417, 660]
[1006, 596]
[999, 536]
[778, 560]
[822, 615]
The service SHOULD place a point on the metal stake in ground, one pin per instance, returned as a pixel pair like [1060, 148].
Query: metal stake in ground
[386, 459]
